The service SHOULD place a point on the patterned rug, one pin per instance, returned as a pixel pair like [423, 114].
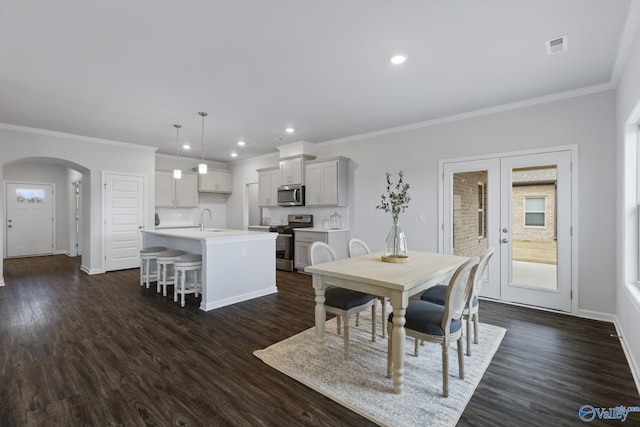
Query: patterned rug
[360, 383]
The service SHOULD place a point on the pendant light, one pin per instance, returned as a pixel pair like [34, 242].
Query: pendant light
[202, 167]
[177, 173]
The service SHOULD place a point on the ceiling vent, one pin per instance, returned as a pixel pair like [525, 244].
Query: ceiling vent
[556, 45]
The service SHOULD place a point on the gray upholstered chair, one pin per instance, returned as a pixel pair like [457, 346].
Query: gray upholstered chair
[358, 247]
[436, 295]
[343, 302]
[426, 321]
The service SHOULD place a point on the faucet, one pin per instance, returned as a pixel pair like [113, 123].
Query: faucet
[202, 220]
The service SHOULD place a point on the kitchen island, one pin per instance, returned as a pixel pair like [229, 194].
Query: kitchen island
[237, 265]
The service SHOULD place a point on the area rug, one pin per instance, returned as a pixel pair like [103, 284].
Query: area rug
[360, 383]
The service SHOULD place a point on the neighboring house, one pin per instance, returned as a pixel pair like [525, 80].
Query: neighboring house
[534, 204]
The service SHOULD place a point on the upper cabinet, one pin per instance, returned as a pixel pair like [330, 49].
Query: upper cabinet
[171, 192]
[216, 181]
[268, 182]
[326, 182]
[292, 169]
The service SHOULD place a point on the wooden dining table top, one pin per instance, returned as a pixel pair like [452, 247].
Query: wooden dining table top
[370, 269]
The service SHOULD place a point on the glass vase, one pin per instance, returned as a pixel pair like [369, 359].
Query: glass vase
[396, 243]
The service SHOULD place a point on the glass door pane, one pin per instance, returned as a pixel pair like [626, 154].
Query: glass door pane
[534, 254]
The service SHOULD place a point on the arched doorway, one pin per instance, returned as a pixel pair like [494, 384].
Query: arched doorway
[70, 183]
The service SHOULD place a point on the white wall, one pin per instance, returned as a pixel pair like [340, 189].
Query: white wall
[90, 156]
[587, 121]
[628, 115]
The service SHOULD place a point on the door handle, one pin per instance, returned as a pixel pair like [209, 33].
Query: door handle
[505, 240]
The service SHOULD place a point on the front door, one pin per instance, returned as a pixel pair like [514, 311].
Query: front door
[30, 219]
[522, 206]
[124, 214]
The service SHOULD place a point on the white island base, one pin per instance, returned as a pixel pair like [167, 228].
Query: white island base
[237, 265]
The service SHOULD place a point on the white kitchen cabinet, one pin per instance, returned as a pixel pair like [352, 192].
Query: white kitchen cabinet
[326, 182]
[292, 169]
[172, 192]
[215, 181]
[337, 239]
[268, 183]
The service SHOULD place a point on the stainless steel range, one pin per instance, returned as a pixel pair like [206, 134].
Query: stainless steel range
[285, 239]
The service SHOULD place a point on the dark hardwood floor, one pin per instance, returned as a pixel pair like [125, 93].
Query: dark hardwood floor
[102, 351]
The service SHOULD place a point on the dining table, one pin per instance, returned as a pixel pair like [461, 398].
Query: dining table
[396, 281]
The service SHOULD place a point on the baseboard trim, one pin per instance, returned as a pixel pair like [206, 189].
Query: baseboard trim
[597, 315]
[239, 298]
[91, 272]
[635, 369]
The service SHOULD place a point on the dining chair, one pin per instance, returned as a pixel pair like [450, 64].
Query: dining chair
[426, 321]
[358, 247]
[343, 302]
[436, 295]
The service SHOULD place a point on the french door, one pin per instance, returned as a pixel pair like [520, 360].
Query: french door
[522, 205]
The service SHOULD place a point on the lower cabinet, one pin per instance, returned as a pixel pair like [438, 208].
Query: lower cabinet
[337, 239]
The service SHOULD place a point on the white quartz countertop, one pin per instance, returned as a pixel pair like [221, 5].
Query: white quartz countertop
[321, 230]
[212, 234]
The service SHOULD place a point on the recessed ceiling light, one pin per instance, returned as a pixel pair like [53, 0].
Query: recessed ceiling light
[290, 130]
[186, 146]
[241, 143]
[398, 59]
[234, 154]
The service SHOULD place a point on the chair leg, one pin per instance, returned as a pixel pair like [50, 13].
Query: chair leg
[338, 319]
[161, 276]
[460, 359]
[147, 272]
[176, 284]
[357, 319]
[373, 323]
[346, 337]
[445, 369]
[469, 335]
[389, 360]
[198, 281]
[142, 270]
[183, 288]
[384, 317]
[415, 347]
[476, 334]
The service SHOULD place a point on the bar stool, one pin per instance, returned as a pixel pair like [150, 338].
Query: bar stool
[182, 265]
[147, 257]
[165, 262]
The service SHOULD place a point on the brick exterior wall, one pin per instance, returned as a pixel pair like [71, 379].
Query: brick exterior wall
[465, 213]
[537, 234]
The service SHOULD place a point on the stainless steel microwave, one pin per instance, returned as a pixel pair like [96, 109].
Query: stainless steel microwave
[291, 195]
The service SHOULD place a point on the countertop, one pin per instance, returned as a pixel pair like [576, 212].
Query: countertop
[321, 230]
[211, 234]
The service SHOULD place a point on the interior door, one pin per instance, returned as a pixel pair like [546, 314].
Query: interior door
[30, 219]
[124, 218]
[535, 230]
[522, 206]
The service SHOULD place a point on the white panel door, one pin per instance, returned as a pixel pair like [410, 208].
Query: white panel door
[30, 219]
[124, 218]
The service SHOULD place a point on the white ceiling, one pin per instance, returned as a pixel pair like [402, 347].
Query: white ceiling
[128, 70]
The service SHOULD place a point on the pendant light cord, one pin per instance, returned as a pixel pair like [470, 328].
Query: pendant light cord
[203, 114]
[177, 143]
